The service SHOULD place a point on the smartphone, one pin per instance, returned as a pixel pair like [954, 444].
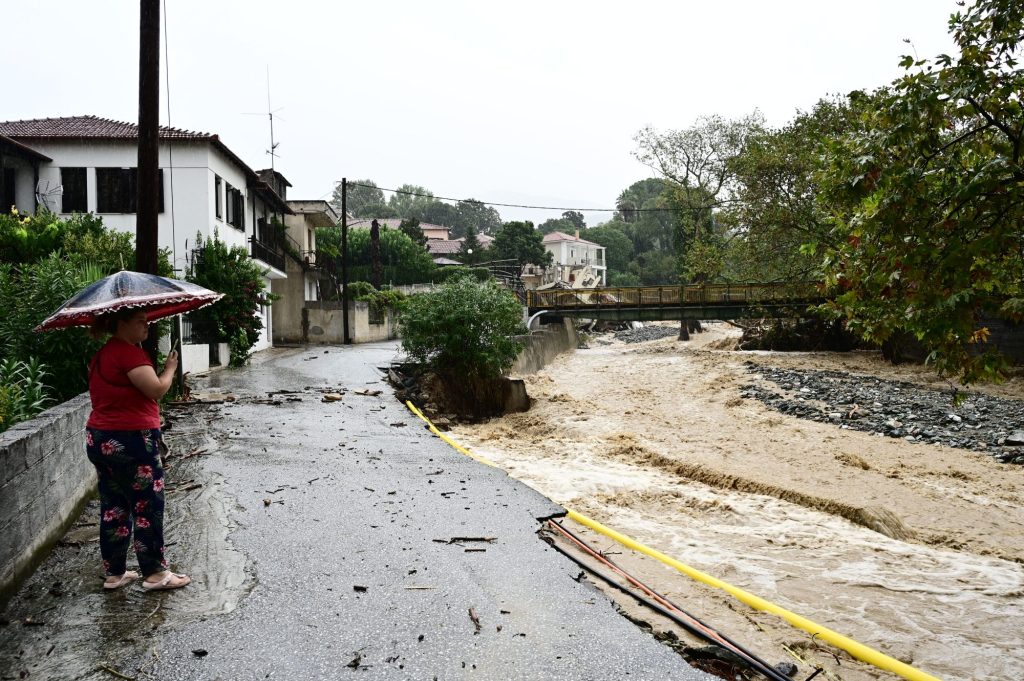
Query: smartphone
[176, 346]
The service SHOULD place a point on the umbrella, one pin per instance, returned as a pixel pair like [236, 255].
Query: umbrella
[159, 296]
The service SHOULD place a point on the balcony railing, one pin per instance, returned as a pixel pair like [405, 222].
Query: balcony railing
[261, 251]
[309, 257]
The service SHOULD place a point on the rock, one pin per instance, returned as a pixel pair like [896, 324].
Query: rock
[1015, 439]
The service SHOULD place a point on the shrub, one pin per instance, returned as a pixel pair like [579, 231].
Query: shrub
[463, 327]
[456, 271]
[230, 271]
[22, 392]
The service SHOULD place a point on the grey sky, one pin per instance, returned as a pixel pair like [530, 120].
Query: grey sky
[526, 102]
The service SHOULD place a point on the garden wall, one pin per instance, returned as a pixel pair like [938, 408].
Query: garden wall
[45, 478]
[540, 347]
[324, 323]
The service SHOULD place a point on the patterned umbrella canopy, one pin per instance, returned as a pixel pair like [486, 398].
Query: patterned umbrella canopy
[159, 296]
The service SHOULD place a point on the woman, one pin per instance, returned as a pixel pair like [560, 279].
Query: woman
[121, 438]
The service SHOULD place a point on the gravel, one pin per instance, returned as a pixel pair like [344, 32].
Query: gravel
[895, 409]
[646, 333]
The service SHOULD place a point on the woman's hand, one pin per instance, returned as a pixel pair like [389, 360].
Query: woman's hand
[171, 363]
[149, 384]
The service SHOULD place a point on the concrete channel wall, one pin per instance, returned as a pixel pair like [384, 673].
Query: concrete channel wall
[540, 347]
[45, 478]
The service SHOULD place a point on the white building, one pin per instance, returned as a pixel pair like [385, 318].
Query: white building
[571, 253]
[88, 164]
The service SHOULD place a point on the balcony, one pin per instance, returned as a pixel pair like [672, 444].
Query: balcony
[267, 254]
[309, 258]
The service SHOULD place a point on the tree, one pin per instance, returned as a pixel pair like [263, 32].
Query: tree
[555, 225]
[410, 200]
[230, 270]
[618, 248]
[520, 242]
[403, 261]
[362, 195]
[470, 250]
[411, 228]
[375, 267]
[482, 217]
[697, 164]
[774, 214]
[440, 213]
[464, 329]
[575, 218]
[926, 195]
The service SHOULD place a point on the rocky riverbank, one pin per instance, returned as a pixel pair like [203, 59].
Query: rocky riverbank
[897, 409]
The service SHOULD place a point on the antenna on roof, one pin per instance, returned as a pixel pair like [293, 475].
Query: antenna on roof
[272, 151]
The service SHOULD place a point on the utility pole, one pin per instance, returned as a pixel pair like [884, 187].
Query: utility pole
[147, 208]
[346, 338]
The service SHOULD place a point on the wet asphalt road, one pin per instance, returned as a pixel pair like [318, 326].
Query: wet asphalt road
[324, 544]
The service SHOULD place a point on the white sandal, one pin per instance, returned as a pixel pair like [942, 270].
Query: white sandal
[165, 583]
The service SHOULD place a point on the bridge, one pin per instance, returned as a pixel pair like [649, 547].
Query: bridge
[654, 303]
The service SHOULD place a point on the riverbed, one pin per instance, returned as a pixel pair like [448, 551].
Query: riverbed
[912, 548]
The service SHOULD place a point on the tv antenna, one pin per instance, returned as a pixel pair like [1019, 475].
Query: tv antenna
[45, 194]
[272, 151]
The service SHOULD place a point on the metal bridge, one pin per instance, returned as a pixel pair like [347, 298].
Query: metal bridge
[653, 303]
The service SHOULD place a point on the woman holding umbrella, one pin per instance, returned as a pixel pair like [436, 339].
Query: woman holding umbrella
[121, 440]
[124, 427]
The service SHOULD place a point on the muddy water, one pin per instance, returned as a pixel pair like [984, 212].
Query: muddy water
[631, 436]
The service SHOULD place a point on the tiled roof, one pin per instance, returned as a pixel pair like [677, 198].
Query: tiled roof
[443, 246]
[562, 236]
[484, 239]
[92, 127]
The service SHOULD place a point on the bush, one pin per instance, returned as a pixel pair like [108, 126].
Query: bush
[463, 327]
[452, 272]
[22, 392]
[235, 316]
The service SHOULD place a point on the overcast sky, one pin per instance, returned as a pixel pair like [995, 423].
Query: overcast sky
[525, 102]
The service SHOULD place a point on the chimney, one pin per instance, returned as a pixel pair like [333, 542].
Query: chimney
[577, 234]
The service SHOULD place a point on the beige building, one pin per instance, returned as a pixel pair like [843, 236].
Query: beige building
[300, 287]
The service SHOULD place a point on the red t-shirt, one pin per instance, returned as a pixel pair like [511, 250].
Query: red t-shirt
[116, 403]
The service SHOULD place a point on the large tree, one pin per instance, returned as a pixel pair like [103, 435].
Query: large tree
[520, 242]
[618, 248]
[362, 194]
[927, 197]
[697, 164]
[410, 200]
[774, 214]
[485, 219]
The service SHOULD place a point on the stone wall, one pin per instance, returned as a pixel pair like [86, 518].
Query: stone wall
[45, 478]
[540, 347]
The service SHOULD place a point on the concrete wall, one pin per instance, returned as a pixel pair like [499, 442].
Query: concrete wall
[45, 478]
[542, 346]
[325, 324]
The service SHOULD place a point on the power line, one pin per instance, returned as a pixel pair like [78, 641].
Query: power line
[518, 205]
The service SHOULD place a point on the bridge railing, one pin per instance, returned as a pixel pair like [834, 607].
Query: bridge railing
[673, 296]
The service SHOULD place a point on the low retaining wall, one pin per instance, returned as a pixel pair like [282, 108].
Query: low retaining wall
[324, 323]
[540, 347]
[45, 478]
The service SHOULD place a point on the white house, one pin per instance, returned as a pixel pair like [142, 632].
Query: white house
[572, 253]
[88, 164]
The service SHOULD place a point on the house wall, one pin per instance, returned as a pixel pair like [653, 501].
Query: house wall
[45, 478]
[325, 324]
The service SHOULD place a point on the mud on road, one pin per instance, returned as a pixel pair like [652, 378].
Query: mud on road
[915, 549]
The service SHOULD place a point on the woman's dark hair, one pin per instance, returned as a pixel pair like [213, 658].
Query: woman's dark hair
[106, 324]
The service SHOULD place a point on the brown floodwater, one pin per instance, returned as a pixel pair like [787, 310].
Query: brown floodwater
[912, 549]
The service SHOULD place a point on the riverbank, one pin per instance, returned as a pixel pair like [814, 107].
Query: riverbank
[913, 548]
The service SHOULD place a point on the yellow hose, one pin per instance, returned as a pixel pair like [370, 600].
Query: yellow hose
[857, 650]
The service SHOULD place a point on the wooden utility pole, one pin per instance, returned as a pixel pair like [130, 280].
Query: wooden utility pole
[148, 172]
[346, 338]
[147, 203]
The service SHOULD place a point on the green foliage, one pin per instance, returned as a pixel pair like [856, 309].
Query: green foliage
[452, 272]
[28, 294]
[926, 198]
[403, 261]
[230, 270]
[464, 328]
[380, 301]
[363, 197]
[520, 242]
[411, 228]
[618, 247]
[22, 391]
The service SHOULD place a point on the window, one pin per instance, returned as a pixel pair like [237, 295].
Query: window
[73, 200]
[218, 202]
[7, 198]
[117, 190]
[235, 204]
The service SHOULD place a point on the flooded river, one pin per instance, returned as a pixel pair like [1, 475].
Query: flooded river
[912, 549]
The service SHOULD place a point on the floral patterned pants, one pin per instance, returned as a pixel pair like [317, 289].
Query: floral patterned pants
[131, 493]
